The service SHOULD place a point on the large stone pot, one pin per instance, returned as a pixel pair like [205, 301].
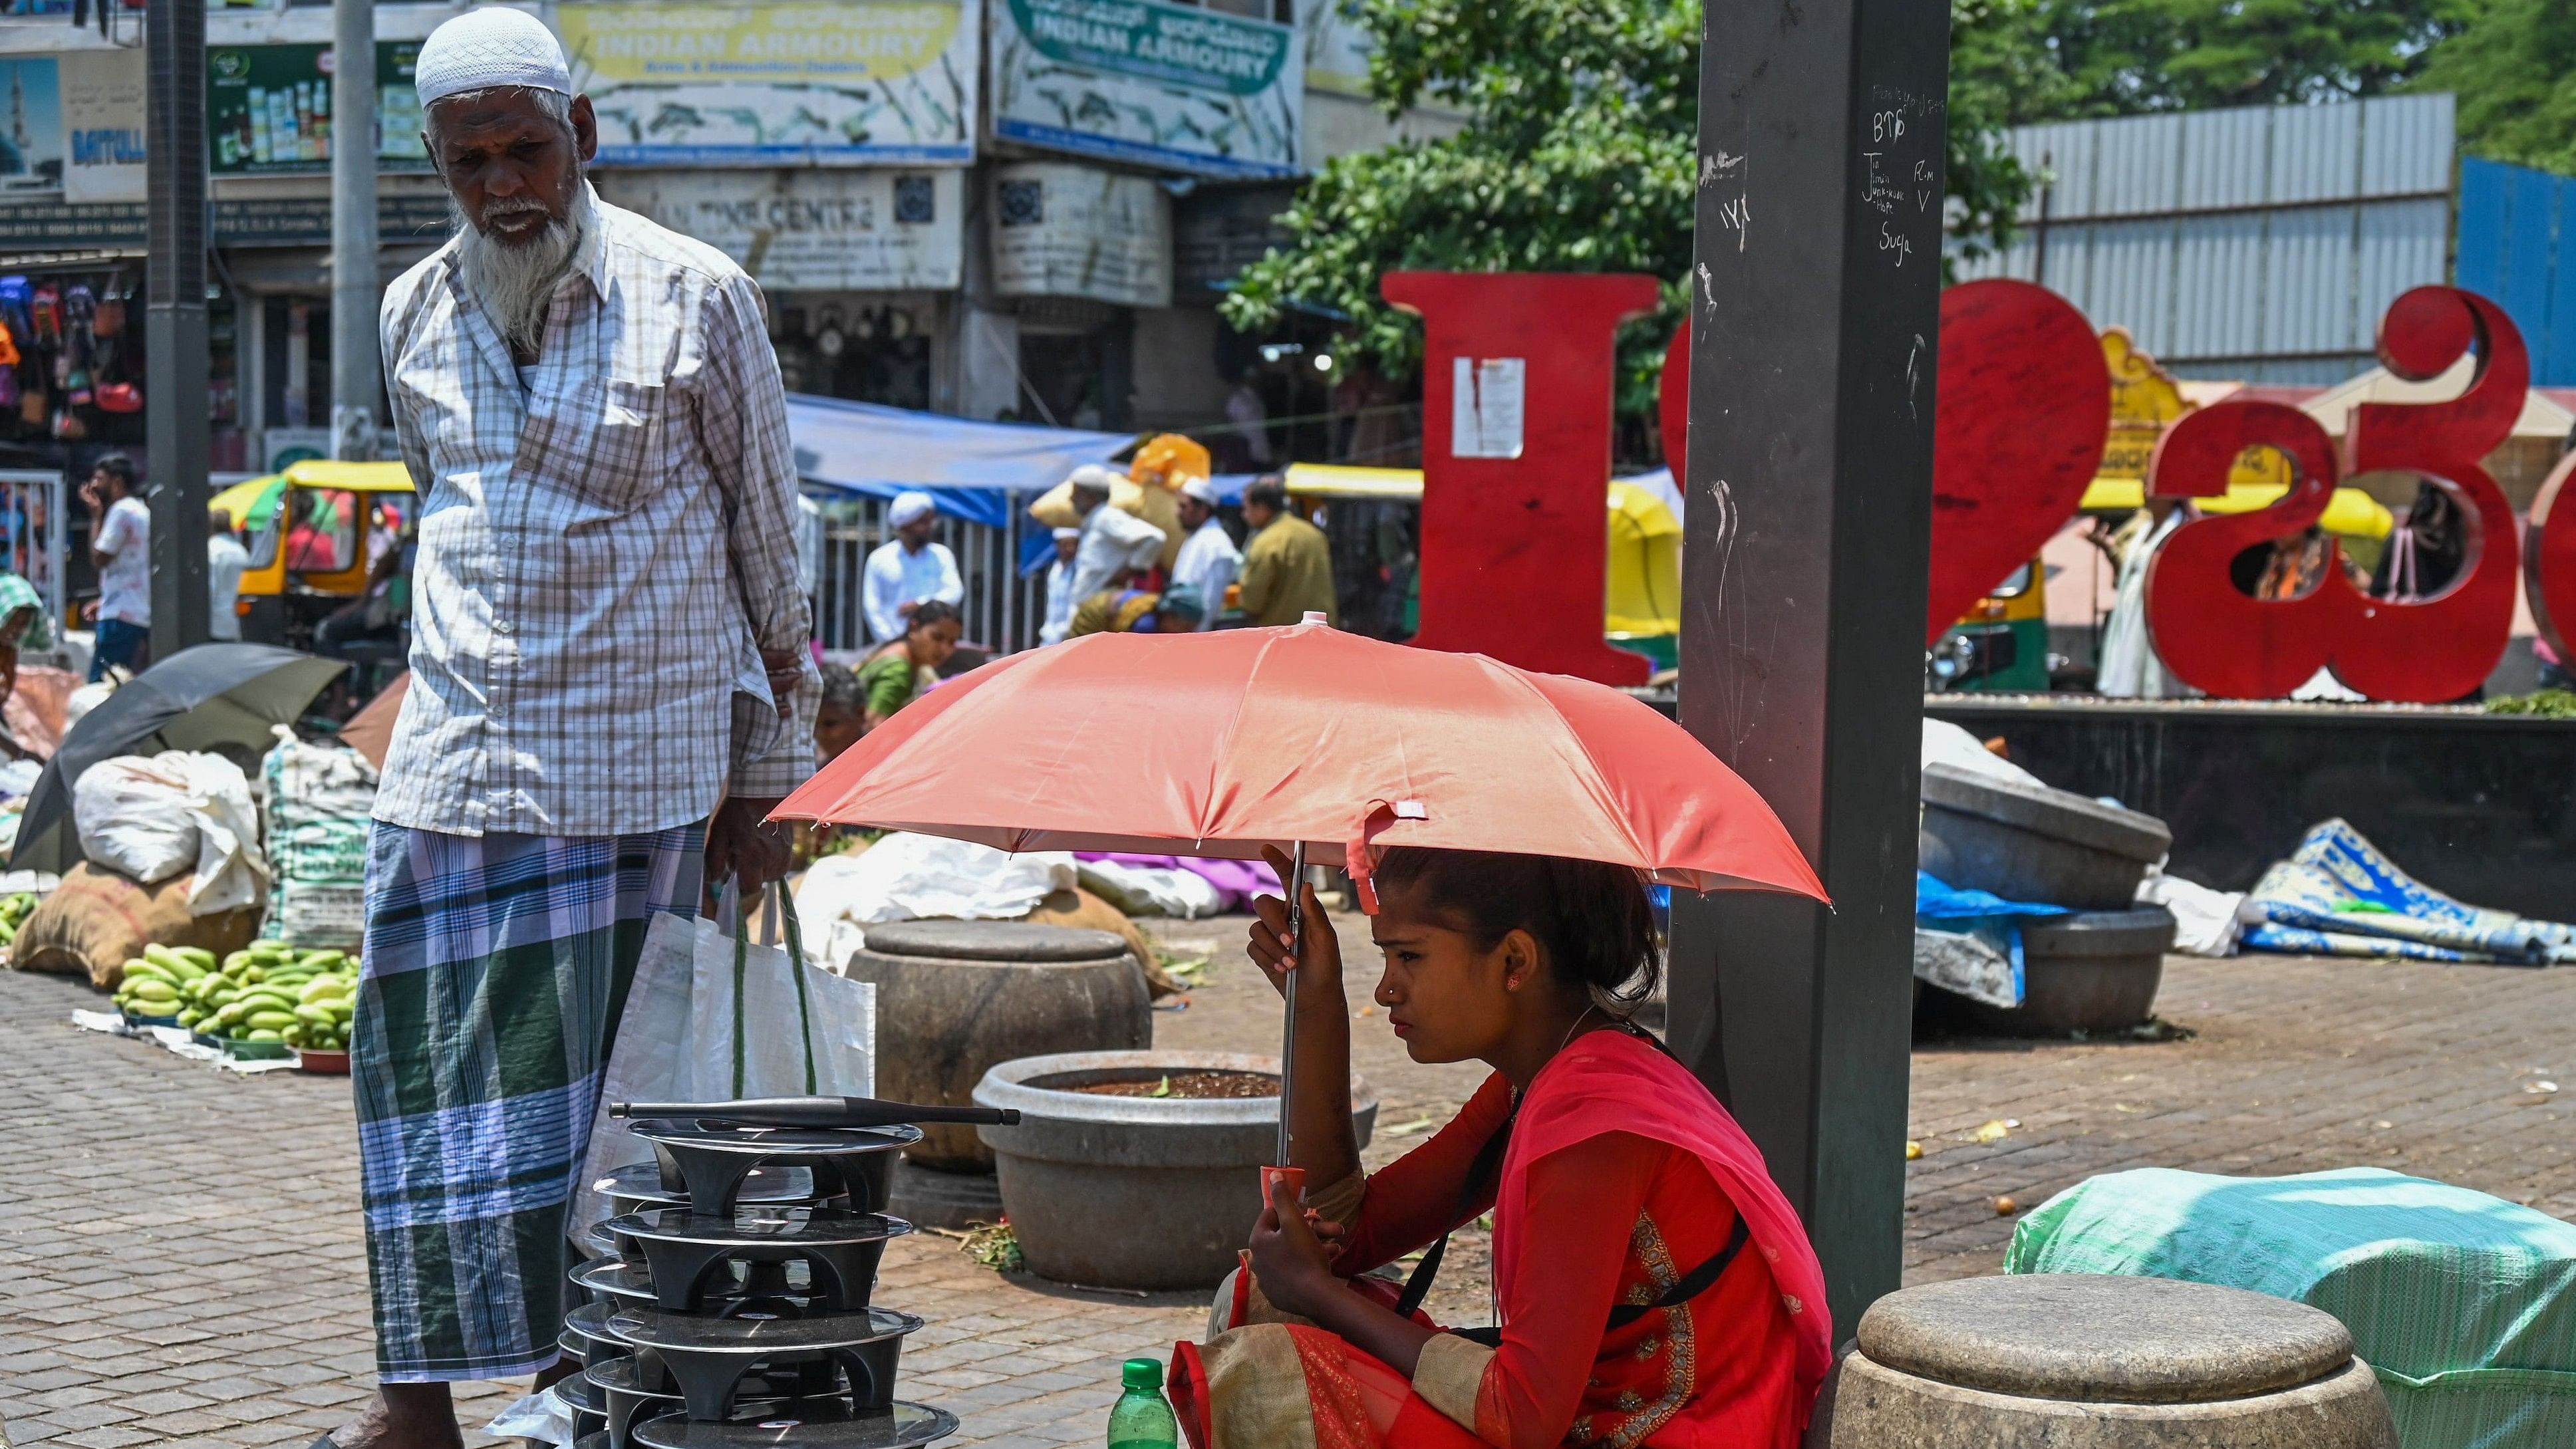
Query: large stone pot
[2028, 842]
[1135, 1192]
[2092, 971]
[956, 997]
[2080, 1361]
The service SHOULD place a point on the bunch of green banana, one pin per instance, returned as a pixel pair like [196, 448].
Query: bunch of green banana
[14, 911]
[157, 982]
[273, 993]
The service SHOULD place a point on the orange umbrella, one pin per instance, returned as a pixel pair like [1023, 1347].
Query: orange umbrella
[1221, 743]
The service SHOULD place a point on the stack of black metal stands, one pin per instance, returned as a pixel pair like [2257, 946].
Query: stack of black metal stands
[728, 1293]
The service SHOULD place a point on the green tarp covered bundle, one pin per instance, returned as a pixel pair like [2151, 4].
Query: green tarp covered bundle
[2462, 1302]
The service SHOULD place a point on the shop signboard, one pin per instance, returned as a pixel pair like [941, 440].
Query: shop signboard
[1061, 230]
[268, 109]
[833, 83]
[103, 99]
[807, 230]
[1148, 83]
[31, 126]
[1337, 48]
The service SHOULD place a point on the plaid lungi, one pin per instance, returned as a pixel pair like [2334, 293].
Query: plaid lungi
[496, 969]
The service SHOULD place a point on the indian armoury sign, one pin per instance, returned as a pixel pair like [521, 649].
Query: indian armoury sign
[1149, 83]
[847, 82]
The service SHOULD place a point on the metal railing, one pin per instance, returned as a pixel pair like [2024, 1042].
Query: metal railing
[1002, 611]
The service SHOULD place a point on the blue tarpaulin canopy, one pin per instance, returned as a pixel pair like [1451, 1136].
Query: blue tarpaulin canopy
[971, 468]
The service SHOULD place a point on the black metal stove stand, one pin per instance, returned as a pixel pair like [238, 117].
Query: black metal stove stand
[728, 1306]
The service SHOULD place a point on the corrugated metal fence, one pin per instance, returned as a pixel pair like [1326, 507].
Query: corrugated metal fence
[2518, 246]
[2259, 244]
[1002, 609]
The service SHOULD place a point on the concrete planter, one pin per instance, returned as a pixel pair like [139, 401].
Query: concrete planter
[1134, 1192]
[2093, 971]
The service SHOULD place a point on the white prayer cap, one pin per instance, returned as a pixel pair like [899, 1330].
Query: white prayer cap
[1067, 535]
[488, 48]
[1200, 489]
[1094, 477]
[910, 506]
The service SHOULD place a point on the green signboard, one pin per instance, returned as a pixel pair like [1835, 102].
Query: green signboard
[1185, 46]
[268, 108]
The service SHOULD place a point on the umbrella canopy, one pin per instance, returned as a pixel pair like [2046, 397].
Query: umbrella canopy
[214, 694]
[1219, 744]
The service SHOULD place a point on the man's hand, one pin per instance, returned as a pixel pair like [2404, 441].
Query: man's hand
[89, 612]
[904, 609]
[741, 847]
[89, 495]
[786, 670]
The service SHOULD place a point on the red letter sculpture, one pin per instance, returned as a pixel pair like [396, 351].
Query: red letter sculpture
[2549, 570]
[1516, 463]
[2221, 641]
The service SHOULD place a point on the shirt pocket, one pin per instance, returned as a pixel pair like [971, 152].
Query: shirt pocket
[610, 442]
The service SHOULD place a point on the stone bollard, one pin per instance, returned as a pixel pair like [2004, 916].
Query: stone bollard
[2084, 1361]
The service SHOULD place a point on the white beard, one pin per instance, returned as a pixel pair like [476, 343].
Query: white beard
[516, 284]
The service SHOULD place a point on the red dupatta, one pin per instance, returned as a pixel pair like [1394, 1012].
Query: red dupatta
[1609, 1081]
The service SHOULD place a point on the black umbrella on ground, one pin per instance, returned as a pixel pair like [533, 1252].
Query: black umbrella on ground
[197, 699]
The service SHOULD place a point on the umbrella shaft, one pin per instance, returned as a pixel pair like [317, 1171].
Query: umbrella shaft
[1296, 884]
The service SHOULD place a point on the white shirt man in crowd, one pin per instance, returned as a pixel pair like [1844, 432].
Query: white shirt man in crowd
[1116, 545]
[226, 562]
[1059, 587]
[120, 547]
[1209, 560]
[909, 569]
[612, 688]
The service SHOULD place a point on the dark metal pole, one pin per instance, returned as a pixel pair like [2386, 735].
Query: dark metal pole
[176, 360]
[1815, 314]
[354, 289]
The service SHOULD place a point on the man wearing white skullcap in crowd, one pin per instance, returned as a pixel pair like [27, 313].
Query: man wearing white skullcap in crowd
[611, 689]
[908, 570]
[1208, 559]
[1116, 545]
[1059, 587]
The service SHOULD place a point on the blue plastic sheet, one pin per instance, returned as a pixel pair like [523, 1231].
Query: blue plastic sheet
[973, 470]
[1940, 906]
[2338, 896]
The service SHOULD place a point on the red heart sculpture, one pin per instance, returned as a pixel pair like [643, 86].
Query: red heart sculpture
[2025, 405]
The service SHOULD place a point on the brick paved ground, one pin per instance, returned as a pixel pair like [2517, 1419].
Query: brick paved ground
[179, 1257]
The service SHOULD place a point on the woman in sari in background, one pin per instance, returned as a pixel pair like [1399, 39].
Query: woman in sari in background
[895, 675]
[23, 625]
[1651, 1285]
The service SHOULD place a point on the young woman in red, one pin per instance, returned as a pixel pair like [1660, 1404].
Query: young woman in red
[1651, 1285]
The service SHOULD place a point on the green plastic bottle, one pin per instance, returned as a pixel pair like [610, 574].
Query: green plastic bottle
[1140, 1419]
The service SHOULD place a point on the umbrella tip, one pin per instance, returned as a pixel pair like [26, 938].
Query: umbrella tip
[1316, 616]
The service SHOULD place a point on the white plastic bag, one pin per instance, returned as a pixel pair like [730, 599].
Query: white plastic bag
[2206, 922]
[152, 818]
[650, 1060]
[692, 1032]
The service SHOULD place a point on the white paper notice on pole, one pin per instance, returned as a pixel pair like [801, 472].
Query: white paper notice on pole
[1486, 399]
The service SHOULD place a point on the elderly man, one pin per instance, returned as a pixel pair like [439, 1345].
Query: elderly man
[611, 689]
[1209, 561]
[909, 570]
[1115, 545]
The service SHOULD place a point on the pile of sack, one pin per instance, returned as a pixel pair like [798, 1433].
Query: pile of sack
[173, 851]
[320, 797]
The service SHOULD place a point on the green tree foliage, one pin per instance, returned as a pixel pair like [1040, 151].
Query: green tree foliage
[2078, 58]
[1578, 155]
[2515, 72]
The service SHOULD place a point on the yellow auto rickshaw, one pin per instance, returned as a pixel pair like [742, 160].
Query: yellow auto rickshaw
[307, 531]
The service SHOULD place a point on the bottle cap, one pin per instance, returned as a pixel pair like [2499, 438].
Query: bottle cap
[1142, 1373]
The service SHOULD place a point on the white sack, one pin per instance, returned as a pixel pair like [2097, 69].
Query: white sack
[153, 818]
[1142, 890]
[2206, 922]
[906, 877]
[1946, 744]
